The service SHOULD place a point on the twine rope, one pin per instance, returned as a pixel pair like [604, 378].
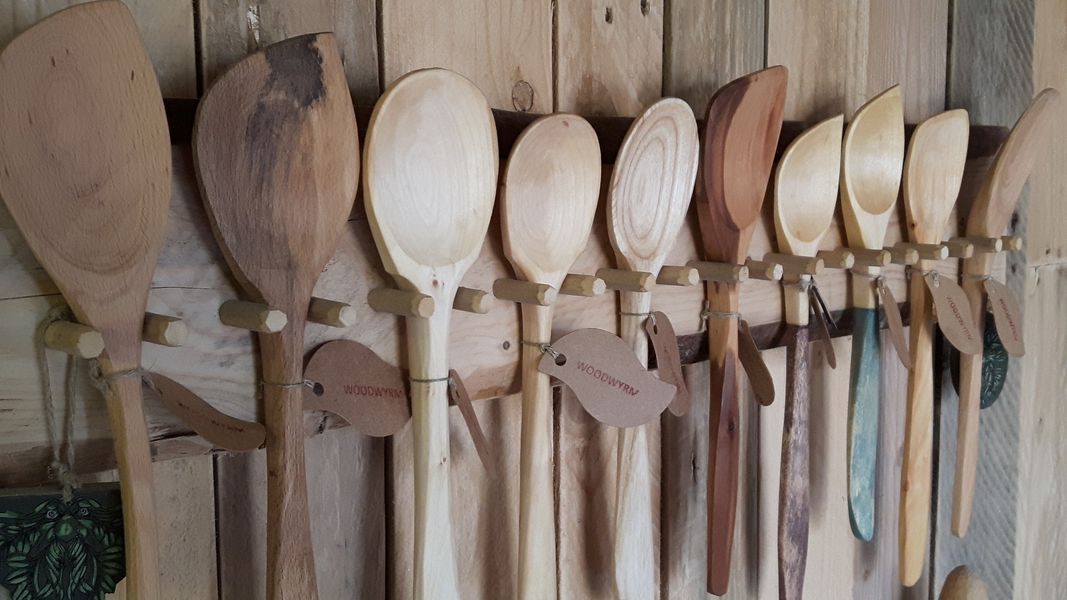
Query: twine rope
[61, 466]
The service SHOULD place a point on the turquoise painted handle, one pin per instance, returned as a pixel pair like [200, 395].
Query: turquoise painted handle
[864, 394]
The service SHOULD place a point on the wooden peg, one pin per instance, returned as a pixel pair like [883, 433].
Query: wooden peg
[673, 275]
[628, 281]
[987, 245]
[839, 258]
[868, 257]
[74, 339]
[767, 271]
[401, 302]
[164, 330]
[1012, 243]
[331, 313]
[902, 254]
[795, 265]
[960, 248]
[524, 292]
[925, 251]
[252, 316]
[721, 272]
[472, 300]
[582, 285]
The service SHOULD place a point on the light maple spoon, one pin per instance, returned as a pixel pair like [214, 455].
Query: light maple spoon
[933, 172]
[550, 193]
[277, 155]
[85, 170]
[651, 186]
[743, 122]
[805, 198]
[430, 180]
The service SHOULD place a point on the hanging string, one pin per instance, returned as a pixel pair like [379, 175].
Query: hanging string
[61, 466]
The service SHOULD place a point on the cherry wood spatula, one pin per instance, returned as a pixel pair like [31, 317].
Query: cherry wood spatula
[277, 155]
[743, 122]
[430, 180]
[85, 171]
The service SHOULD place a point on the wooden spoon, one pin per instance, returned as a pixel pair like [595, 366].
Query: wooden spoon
[85, 171]
[964, 584]
[651, 187]
[430, 181]
[933, 172]
[989, 217]
[277, 155]
[743, 121]
[870, 182]
[551, 189]
[805, 198]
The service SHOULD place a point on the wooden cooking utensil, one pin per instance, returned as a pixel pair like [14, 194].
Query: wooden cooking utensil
[805, 197]
[651, 186]
[743, 121]
[277, 155]
[872, 161]
[989, 217]
[551, 188]
[430, 180]
[86, 173]
[933, 172]
[964, 584]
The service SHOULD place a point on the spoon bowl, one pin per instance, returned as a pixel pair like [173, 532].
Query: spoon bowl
[933, 173]
[871, 168]
[806, 187]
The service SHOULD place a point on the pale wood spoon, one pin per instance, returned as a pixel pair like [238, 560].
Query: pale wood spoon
[964, 584]
[85, 169]
[277, 155]
[550, 193]
[651, 187]
[430, 180]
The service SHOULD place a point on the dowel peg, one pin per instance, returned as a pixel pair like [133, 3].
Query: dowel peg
[473, 301]
[838, 258]
[164, 330]
[868, 257]
[582, 285]
[925, 251]
[404, 303]
[74, 339]
[524, 292]
[960, 248]
[987, 245]
[624, 280]
[673, 275]
[902, 254]
[331, 313]
[252, 316]
[767, 271]
[721, 272]
[795, 265]
[1012, 243]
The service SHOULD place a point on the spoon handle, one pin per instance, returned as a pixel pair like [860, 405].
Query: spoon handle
[793, 492]
[863, 406]
[916, 472]
[537, 517]
[635, 551]
[724, 433]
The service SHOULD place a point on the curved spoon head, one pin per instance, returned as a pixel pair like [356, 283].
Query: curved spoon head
[551, 189]
[85, 162]
[277, 156]
[430, 174]
[964, 584]
[743, 122]
[872, 162]
[652, 184]
[933, 172]
[805, 190]
[991, 212]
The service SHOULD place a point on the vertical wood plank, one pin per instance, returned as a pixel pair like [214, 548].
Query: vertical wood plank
[1046, 219]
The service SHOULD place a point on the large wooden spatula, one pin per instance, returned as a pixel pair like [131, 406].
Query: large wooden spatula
[277, 155]
[85, 172]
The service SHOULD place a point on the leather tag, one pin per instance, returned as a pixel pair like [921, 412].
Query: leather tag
[1007, 315]
[752, 361]
[353, 383]
[668, 360]
[218, 428]
[896, 324]
[604, 373]
[822, 327]
[954, 313]
[457, 392]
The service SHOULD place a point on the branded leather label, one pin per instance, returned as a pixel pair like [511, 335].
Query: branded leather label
[668, 360]
[954, 315]
[752, 361]
[218, 428]
[1007, 316]
[822, 327]
[896, 324]
[354, 383]
[457, 392]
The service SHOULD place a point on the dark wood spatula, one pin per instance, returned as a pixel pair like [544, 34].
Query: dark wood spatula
[85, 172]
[277, 156]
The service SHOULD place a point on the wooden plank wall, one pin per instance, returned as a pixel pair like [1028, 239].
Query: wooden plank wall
[605, 57]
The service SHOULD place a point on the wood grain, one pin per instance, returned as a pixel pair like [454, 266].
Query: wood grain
[793, 492]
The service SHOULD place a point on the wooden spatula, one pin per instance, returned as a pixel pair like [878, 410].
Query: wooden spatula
[743, 121]
[430, 181]
[651, 187]
[805, 198]
[277, 155]
[989, 217]
[933, 172]
[872, 161]
[551, 189]
[85, 171]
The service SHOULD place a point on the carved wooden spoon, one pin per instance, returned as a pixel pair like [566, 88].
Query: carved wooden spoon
[870, 182]
[743, 121]
[430, 181]
[805, 197]
[85, 171]
[277, 156]
[933, 172]
[964, 584]
[989, 217]
[551, 189]
[651, 187]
